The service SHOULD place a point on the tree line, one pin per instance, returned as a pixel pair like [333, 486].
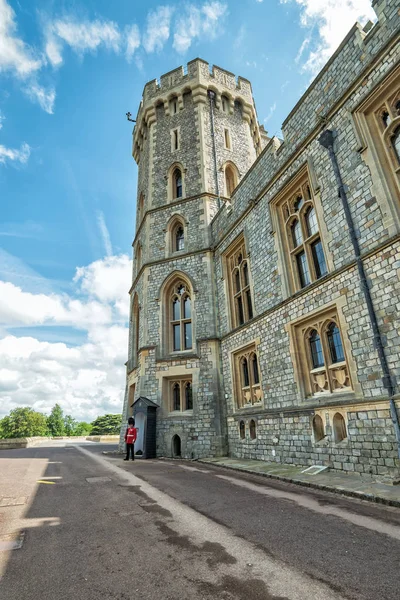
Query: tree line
[26, 422]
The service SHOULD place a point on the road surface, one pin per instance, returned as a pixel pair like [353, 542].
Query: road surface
[94, 527]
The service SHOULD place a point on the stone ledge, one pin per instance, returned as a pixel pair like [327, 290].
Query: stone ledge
[354, 486]
[15, 443]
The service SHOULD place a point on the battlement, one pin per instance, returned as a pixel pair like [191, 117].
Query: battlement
[196, 71]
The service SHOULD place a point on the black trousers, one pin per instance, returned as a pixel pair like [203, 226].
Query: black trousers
[130, 448]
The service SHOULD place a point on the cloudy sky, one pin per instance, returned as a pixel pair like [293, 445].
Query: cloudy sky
[69, 71]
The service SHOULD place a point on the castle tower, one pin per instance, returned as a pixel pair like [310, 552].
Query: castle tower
[196, 136]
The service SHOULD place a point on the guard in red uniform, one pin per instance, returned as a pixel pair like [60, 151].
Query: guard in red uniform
[130, 438]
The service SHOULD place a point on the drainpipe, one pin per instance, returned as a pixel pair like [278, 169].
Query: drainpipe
[326, 140]
[211, 96]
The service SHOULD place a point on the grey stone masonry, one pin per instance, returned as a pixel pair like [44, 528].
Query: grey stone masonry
[202, 121]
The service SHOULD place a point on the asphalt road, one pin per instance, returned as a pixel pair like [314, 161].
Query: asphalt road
[177, 529]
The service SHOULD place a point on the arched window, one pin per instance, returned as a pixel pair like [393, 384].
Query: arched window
[188, 396]
[179, 238]
[335, 343]
[324, 361]
[176, 396]
[138, 258]
[253, 430]
[318, 428]
[317, 355]
[239, 283]
[296, 234]
[180, 394]
[242, 430]
[339, 428]
[247, 376]
[230, 180]
[311, 220]
[302, 237]
[224, 103]
[173, 105]
[180, 317]
[140, 208]
[177, 182]
[395, 140]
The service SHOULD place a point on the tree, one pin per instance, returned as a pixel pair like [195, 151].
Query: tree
[83, 428]
[55, 421]
[106, 425]
[23, 422]
[70, 425]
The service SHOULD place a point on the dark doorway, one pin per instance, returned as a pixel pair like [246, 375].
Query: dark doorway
[176, 446]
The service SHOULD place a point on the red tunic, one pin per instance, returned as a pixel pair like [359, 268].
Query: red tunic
[131, 435]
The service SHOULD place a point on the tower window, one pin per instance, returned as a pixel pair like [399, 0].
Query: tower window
[231, 179]
[179, 238]
[173, 105]
[227, 139]
[239, 284]
[247, 377]
[175, 139]
[181, 318]
[177, 183]
[180, 394]
[225, 104]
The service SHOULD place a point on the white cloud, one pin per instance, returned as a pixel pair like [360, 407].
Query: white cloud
[332, 19]
[272, 109]
[15, 55]
[21, 155]
[157, 29]
[132, 39]
[198, 21]
[45, 98]
[2, 118]
[108, 281]
[105, 235]
[87, 379]
[85, 36]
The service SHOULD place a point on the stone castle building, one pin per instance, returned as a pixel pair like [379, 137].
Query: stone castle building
[265, 295]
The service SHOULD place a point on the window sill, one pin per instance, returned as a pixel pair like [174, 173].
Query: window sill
[180, 414]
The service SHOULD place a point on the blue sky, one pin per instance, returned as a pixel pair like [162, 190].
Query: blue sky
[69, 71]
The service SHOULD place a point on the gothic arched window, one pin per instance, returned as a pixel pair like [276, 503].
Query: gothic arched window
[318, 428]
[231, 180]
[180, 318]
[247, 376]
[239, 280]
[177, 180]
[179, 238]
[302, 237]
[339, 428]
[180, 394]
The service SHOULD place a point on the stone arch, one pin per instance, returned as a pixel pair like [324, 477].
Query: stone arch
[318, 428]
[169, 296]
[176, 446]
[231, 177]
[173, 192]
[175, 222]
[339, 428]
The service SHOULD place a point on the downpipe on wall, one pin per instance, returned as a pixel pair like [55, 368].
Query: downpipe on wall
[327, 141]
[211, 97]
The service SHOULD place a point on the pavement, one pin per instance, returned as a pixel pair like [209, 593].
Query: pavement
[364, 487]
[90, 526]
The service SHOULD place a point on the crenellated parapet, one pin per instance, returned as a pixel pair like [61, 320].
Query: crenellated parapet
[197, 78]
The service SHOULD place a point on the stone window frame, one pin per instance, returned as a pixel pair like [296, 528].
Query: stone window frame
[306, 376]
[175, 139]
[167, 293]
[225, 103]
[180, 383]
[230, 169]
[176, 371]
[227, 139]
[140, 211]
[247, 391]
[374, 144]
[172, 192]
[245, 294]
[138, 257]
[173, 105]
[173, 224]
[284, 215]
